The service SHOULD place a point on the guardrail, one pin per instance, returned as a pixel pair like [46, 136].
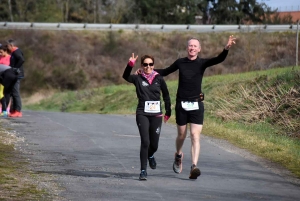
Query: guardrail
[147, 27]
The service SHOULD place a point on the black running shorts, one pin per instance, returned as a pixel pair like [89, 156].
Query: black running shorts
[194, 116]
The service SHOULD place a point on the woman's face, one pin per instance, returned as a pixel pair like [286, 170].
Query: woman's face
[148, 66]
[2, 53]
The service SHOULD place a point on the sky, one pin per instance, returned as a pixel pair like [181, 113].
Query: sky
[283, 5]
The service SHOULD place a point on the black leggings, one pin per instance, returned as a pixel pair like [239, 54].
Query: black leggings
[9, 79]
[149, 128]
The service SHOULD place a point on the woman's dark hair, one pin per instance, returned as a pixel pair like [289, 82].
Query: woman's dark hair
[4, 47]
[146, 57]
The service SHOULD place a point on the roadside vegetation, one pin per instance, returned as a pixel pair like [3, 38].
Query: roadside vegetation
[73, 60]
[17, 182]
[258, 111]
[251, 99]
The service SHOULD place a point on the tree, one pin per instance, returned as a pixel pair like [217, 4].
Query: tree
[163, 12]
[10, 11]
[233, 12]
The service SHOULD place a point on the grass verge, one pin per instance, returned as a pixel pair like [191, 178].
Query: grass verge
[16, 181]
[258, 111]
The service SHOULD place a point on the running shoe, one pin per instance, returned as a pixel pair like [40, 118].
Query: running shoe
[195, 172]
[177, 165]
[15, 114]
[143, 175]
[152, 162]
[4, 114]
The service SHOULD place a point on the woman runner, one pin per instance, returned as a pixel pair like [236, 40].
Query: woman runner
[148, 86]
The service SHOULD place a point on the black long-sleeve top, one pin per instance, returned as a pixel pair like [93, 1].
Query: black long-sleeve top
[191, 74]
[148, 92]
[17, 60]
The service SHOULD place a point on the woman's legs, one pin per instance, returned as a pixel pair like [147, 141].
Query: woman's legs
[154, 134]
[143, 126]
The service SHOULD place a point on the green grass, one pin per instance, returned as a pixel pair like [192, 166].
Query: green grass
[245, 124]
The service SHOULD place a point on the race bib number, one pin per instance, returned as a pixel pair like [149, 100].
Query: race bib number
[152, 106]
[188, 106]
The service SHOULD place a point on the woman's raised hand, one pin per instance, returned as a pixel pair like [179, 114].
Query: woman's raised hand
[132, 60]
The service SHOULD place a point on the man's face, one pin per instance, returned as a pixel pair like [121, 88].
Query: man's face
[193, 48]
[9, 47]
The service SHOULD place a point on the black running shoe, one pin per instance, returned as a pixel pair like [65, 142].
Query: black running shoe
[195, 172]
[143, 175]
[152, 162]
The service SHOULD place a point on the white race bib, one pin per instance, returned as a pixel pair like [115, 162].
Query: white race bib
[152, 106]
[188, 106]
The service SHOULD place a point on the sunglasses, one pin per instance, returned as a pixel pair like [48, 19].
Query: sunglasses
[146, 64]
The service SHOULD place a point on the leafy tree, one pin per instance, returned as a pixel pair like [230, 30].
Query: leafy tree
[233, 12]
[163, 12]
[138, 11]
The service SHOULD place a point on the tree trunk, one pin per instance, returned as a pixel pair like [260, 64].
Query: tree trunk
[10, 11]
[99, 11]
[67, 11]
[95, 11]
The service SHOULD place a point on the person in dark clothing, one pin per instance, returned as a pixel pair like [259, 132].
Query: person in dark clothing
[5, 60]
[16, 62]
[149, 86]
[189, 106]
[8, 78]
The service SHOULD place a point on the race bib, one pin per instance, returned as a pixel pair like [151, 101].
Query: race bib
[188, 106]
[152, 106]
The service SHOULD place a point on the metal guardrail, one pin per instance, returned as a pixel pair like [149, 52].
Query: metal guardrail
[147, 27]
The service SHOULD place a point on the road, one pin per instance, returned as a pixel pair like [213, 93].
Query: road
[96, 157]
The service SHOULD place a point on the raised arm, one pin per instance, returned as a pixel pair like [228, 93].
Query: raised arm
[222, 56]
[128, 69]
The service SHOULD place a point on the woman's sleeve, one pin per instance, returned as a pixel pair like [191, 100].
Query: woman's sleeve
[127, 76]
[168, 70]
[166, 97]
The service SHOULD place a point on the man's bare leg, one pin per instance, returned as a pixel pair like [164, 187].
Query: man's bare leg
[195, 141]
[181, 135]
[195, 130]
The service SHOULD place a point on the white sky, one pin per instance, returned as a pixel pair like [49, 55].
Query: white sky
[283, 5]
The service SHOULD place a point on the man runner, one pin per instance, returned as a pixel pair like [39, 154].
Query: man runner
[189, 106]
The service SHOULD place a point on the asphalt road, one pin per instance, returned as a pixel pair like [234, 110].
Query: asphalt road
[96, 157]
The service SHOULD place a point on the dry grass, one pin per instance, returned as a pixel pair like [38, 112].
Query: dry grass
[85, 59]
[263, 100]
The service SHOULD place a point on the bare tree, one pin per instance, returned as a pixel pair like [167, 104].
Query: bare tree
[99, 10]
[10, 11]
[66, 10]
